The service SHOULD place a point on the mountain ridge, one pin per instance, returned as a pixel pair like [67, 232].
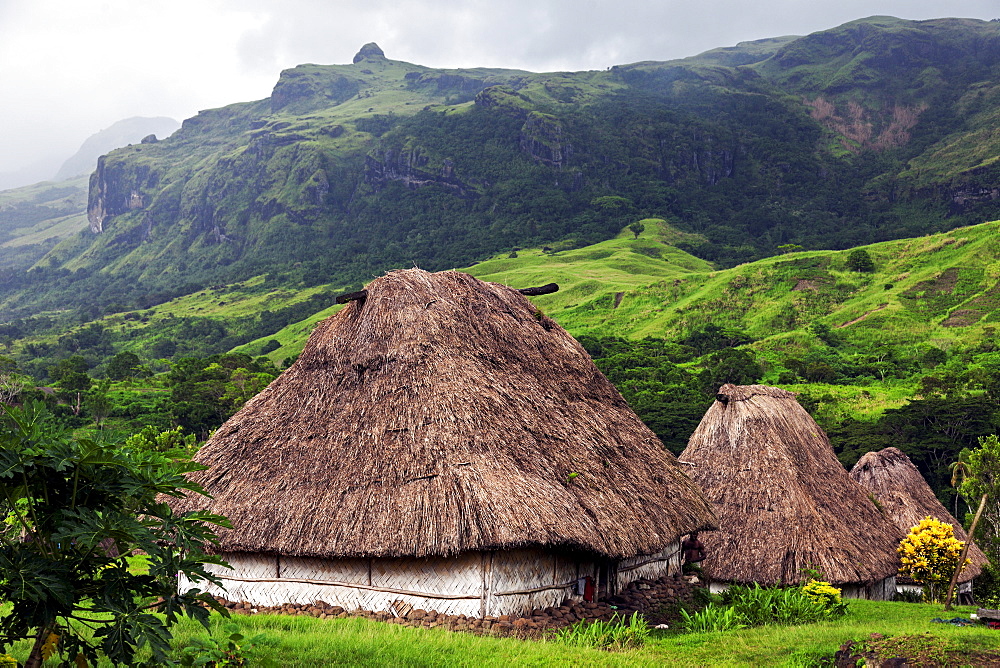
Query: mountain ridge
[380, 163]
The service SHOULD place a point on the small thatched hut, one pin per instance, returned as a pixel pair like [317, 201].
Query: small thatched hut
[786, 506]
[892, 480]
[444, 445]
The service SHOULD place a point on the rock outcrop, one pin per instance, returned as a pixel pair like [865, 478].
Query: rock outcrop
[369, 50]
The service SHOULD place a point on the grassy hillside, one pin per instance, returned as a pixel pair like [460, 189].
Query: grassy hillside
[940, 291]
[35, 218]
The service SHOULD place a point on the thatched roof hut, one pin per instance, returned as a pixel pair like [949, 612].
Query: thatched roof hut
[892, 479]
[443, 431]
[785, 503]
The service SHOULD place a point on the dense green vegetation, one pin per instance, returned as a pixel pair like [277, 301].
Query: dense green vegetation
[889, 344]
[75, 510]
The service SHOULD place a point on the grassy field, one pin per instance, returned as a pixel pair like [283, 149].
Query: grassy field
[305, 641]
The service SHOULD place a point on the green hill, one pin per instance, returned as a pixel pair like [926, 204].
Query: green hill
[939, 291]
[889, 344]
[33, 219]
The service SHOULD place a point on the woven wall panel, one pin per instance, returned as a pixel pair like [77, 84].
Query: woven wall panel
[248, 565]
[518, 570]
[627, 573]
[522, 604]
[349, 598]
[522, 569]
[460, 575]
[336, 570]
[883, 590]
[513, 571]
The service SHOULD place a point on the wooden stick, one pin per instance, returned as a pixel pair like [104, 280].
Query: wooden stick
[649, 561]
[543, 290]
[965, 552]
[535, 589]
[360, 295]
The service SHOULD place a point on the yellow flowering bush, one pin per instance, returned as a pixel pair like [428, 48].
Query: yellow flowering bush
[930, 554]
[823, 593]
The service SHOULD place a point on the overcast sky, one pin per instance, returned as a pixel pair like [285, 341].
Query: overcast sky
[69, 68]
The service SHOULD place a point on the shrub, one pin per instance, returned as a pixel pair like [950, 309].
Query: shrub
[713, 618]
[826, 595]
[234, 650]
[270, 346]
[758, 606]
[860, 260]
[618, 634]
[908, 596]
[986, 587]
[930, 554]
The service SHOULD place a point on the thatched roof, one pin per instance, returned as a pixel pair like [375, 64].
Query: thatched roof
[906, 498]
[442, 414]
[784, 501]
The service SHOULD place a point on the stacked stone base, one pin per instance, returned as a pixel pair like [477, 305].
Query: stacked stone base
[657, 600]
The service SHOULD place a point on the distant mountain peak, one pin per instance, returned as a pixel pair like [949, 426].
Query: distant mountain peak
[124, 132]
[369, 50]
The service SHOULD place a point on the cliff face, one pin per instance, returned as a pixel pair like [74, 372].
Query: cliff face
[116, 190]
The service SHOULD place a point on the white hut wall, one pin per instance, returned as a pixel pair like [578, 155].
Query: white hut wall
[882, 590]
[474, 584]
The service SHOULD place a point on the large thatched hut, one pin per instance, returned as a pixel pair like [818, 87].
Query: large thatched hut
[442, 444]
[892, 480]
[786, 506]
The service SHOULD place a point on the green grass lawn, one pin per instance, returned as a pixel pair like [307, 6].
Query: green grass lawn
[306, 641]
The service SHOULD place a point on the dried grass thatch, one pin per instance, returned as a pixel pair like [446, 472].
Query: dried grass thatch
[438, 415]
[785, 503]
[892, 479]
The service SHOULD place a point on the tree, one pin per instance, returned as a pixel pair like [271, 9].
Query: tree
[713, 337]
[76, 509]
[75, 364]
[243, 386]
[637, 229]
[99, 403]
[125, 365]
[273, 344]
[979, 469]
[860, 260]
[729, 366]
[929, 554]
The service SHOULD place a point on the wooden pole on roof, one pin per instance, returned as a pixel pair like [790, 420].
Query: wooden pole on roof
[965, 552]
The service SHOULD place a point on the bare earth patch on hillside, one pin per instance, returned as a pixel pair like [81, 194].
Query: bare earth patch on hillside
[863, 316]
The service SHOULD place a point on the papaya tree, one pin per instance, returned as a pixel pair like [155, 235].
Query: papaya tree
[77, 511]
